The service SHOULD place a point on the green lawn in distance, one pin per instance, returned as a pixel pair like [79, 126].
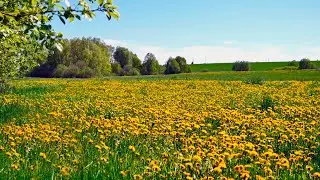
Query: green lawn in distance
[255, 66]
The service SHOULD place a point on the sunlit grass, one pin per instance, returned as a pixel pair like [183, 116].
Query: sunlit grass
[163, 129]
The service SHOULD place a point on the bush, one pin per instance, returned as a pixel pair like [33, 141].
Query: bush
[59, 71]
[293, 63]
[87, 72]
[254, 80]
[306, 64]
[116, 69]
[128, 70]
[172, 67]
[71, 72]
[241, 66]
[291, 68]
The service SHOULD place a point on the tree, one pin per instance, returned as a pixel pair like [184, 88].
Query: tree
[172, 66]
[86, 57]
[150, 65]
[241, 66]
[116, 69]
[177, 65]
[26, 29]
[306, 64]
[136, 62]
[293, 63]
[123, 56]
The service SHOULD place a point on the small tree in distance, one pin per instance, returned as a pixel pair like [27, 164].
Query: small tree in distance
[177, 65]
[306, 64]
[172, 66]
[150, 65]
[293, 63]
[241, 66]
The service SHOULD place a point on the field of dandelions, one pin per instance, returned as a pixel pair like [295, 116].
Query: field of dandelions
[165, 129]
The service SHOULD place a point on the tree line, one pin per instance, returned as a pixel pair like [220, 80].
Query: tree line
[91, 57]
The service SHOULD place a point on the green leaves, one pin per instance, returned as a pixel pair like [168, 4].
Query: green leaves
[33, 3]
[23, 21]
[62, 20]
[115, 15]
[100, 2]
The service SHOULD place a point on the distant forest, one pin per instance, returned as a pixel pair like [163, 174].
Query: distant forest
[91, 57]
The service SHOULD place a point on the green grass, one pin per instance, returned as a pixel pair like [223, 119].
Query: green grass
[255, 66]
[299, 75]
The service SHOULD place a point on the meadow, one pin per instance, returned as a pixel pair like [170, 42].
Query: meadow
[280, 75]
[255, 66]
[160, 129]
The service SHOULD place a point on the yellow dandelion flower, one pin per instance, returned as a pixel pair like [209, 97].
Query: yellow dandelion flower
[196, 158]
[137, 176]
[132, 148]
[217, 170]
[65, 171]
[43, 155]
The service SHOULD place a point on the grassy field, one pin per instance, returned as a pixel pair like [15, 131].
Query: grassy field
[299, 75]
[255, 66]
[160, 129]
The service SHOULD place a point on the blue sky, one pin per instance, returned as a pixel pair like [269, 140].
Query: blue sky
[210, 30]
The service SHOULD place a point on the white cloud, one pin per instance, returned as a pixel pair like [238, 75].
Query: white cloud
[222, 53]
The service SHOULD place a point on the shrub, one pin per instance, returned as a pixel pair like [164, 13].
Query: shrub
[87, 72]
[254, 80]
[116, 69]
[287, 68]
[71, 72]
[293, 63]
[59, 71]
[241, 66]
[267, 103]
[128, 70]
[172, 66]
[306, 64]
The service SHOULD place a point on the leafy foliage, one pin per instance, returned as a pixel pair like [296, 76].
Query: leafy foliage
[177, 65]
[130, 64]
[306, 64]
[26, 31]
[172, 67]
[122, 56]
[116, 68]
[81, 58]
[291, 68]
[293, 63]
[241, 66]
[150, 65]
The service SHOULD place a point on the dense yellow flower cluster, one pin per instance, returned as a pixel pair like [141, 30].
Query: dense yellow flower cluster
[179, 129]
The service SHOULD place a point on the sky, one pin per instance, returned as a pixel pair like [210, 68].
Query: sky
[209, 31]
